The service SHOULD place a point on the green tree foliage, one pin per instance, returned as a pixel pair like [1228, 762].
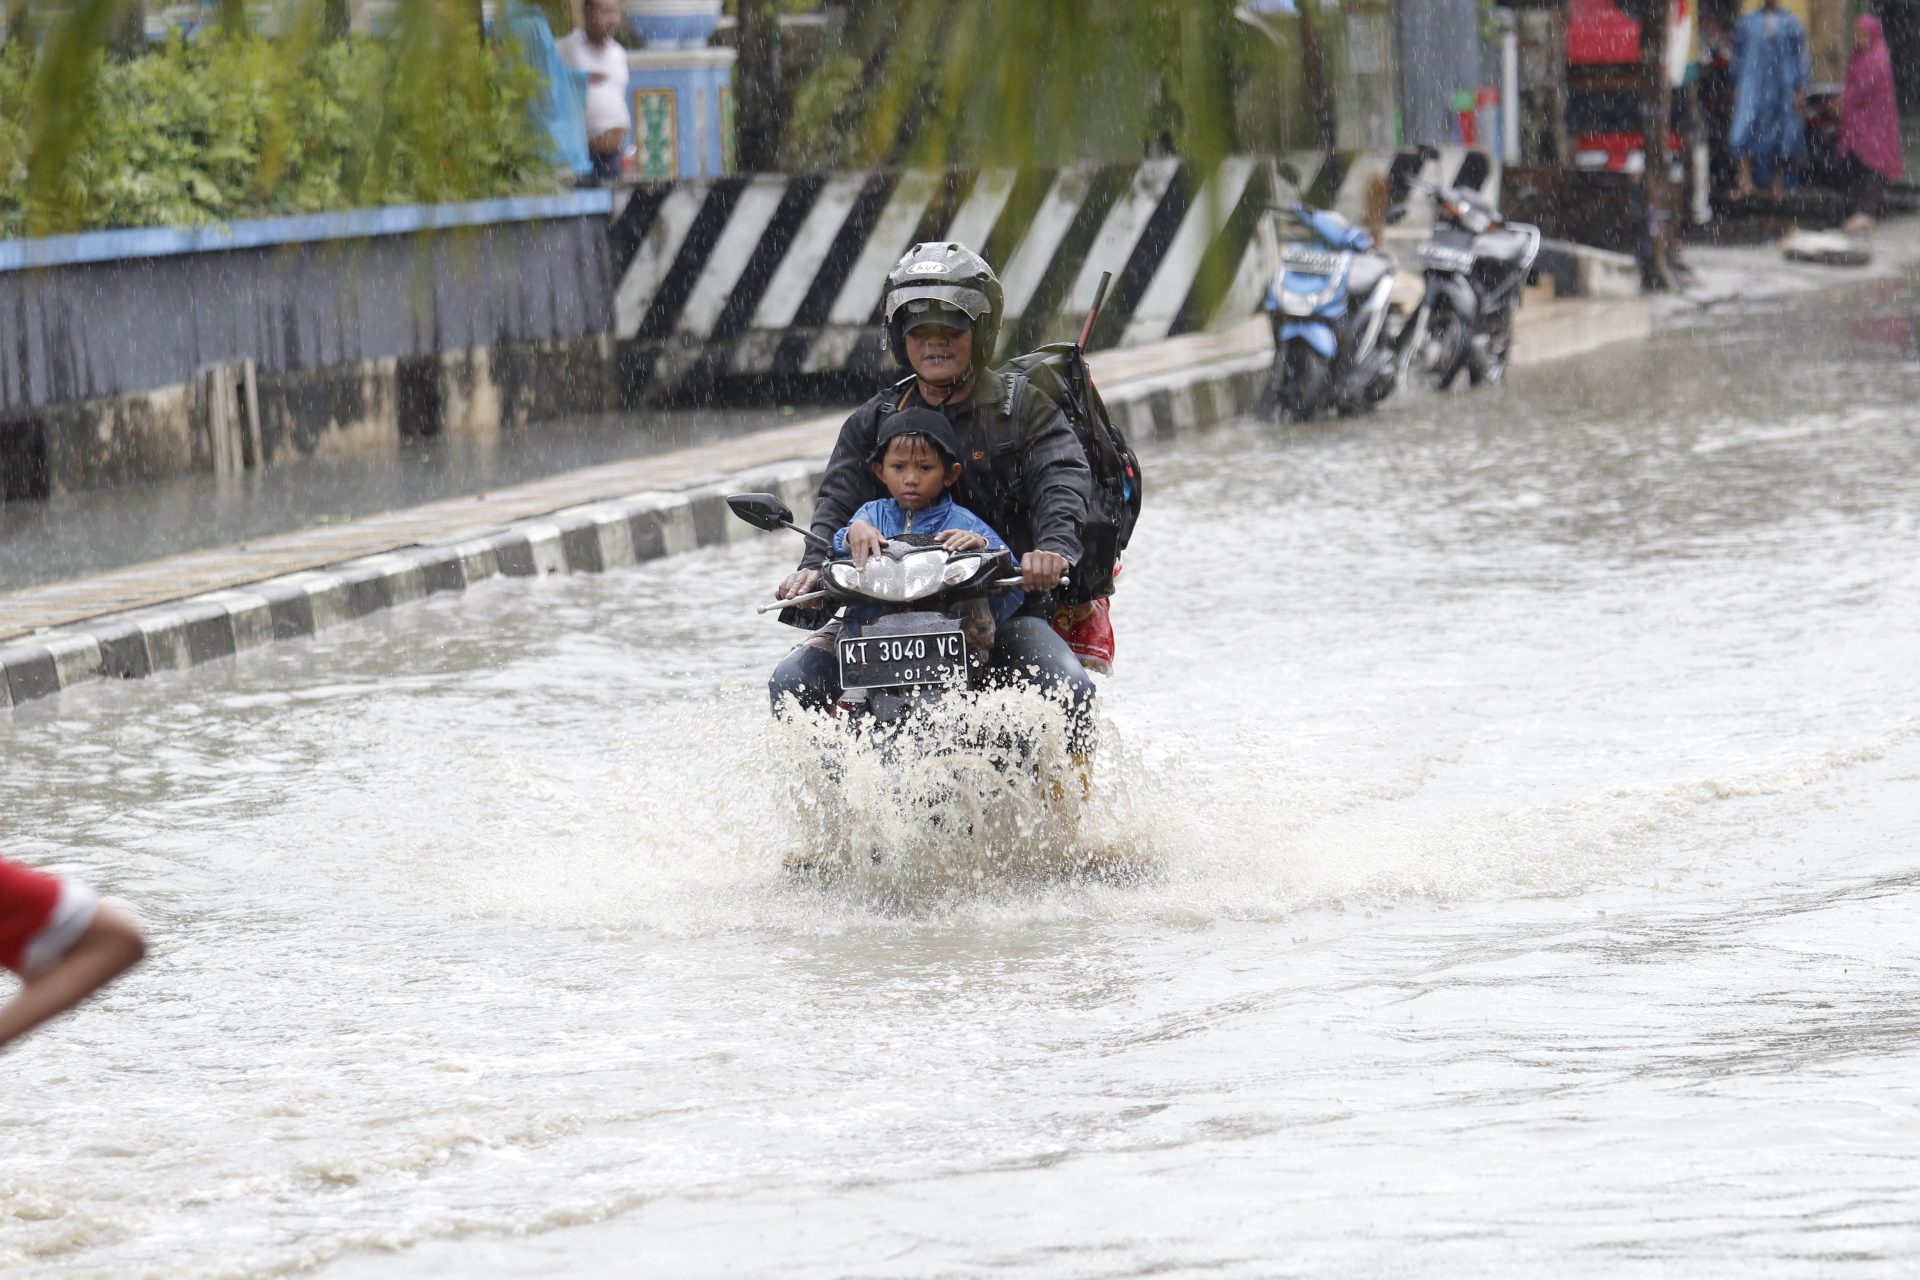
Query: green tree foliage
[1018, 82]
[232, 125]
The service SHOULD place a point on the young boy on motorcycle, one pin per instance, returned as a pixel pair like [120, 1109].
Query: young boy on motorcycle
[916, 459]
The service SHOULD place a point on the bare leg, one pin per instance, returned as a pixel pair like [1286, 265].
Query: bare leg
[110, 946]
[1743, 184]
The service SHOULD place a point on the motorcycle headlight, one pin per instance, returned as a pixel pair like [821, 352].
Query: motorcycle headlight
[911, 577]
[960, 568]
[1300, 304]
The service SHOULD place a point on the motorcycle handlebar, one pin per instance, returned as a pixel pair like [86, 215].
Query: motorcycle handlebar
[796, 602]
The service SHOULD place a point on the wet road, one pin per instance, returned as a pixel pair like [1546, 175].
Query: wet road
[1529, 784]
[77, 534]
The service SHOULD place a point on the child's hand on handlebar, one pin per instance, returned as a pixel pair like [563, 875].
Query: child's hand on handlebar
[960, 540]
[863, 543]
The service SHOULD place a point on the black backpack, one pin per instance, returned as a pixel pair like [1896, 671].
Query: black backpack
[1058, 371]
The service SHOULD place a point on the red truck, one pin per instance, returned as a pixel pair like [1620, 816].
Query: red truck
[1603, 82]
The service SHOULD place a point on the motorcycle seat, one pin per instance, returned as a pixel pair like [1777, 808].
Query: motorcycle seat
[1503, 246]
[1368, 268]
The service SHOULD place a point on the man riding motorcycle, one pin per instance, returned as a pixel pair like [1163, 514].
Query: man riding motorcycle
[1028, 478]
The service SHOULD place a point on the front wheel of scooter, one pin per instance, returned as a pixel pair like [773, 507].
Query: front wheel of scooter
[1406, 347]
[1309, 383]
[1267, 408]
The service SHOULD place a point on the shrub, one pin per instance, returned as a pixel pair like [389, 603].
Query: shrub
[217, 129]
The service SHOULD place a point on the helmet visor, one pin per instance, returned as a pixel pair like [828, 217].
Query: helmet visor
[948, 305]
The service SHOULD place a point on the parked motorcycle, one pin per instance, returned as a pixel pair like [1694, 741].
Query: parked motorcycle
[1328, 304]
[1475, 266]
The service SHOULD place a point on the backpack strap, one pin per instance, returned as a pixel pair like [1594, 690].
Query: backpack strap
[1014, 400]
[905, 388]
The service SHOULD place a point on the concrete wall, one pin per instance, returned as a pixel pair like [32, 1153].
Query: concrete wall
[1440, 56]
[360, 328]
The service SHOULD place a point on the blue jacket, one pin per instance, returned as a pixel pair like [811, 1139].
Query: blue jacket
[890, 518]
[559, 105]
[1767, 74]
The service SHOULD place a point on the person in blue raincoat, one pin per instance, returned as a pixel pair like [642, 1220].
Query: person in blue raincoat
[561, 110]
[1770, 97]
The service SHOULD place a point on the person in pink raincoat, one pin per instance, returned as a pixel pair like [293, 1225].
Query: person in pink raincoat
[1869, 123]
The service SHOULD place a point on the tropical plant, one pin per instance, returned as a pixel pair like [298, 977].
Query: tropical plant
[1021, 82]
[231, 124]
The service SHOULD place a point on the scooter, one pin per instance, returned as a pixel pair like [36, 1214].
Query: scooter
[931, 630]
[1475, 265]
[1328, 305]
[935, 774]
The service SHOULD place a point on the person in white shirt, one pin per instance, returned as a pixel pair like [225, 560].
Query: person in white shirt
[591, 48]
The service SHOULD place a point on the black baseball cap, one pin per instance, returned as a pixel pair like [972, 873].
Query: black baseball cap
[917, 422]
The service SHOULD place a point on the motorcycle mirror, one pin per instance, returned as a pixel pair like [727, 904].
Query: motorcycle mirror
[1473, 171]
[761, 510]
[1400, 175]
[764, 511]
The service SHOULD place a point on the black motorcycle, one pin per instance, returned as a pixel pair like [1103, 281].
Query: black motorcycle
[1476, 265]
[930, 630]
[933, 778]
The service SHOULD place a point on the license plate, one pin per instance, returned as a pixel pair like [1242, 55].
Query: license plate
[1446, 258]
[1312, 260]
[921, 657]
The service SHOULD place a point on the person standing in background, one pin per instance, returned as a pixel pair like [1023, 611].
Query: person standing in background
[1869, 123]
[591, 49]
[560, 108]
[1770, 97]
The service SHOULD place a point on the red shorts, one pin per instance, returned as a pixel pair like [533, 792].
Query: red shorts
[41, 917]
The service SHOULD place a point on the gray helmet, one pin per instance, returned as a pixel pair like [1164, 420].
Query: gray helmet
[940, 275]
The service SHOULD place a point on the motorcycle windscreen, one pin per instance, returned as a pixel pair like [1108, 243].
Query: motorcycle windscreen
[1315, 334]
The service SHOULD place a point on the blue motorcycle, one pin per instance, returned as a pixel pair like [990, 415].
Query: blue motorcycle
[1328, 304]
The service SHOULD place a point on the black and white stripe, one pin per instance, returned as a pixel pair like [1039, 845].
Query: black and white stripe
[777, 275]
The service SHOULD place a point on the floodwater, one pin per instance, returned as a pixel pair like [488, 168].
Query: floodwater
[1529, 792]
[76, 534]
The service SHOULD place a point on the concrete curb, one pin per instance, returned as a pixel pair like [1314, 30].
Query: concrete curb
[589, 538]
[1582, 271]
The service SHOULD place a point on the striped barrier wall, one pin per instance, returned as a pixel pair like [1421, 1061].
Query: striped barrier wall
[778, 276]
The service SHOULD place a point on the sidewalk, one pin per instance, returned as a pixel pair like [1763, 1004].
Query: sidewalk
[186, 609]
[1727, 276]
